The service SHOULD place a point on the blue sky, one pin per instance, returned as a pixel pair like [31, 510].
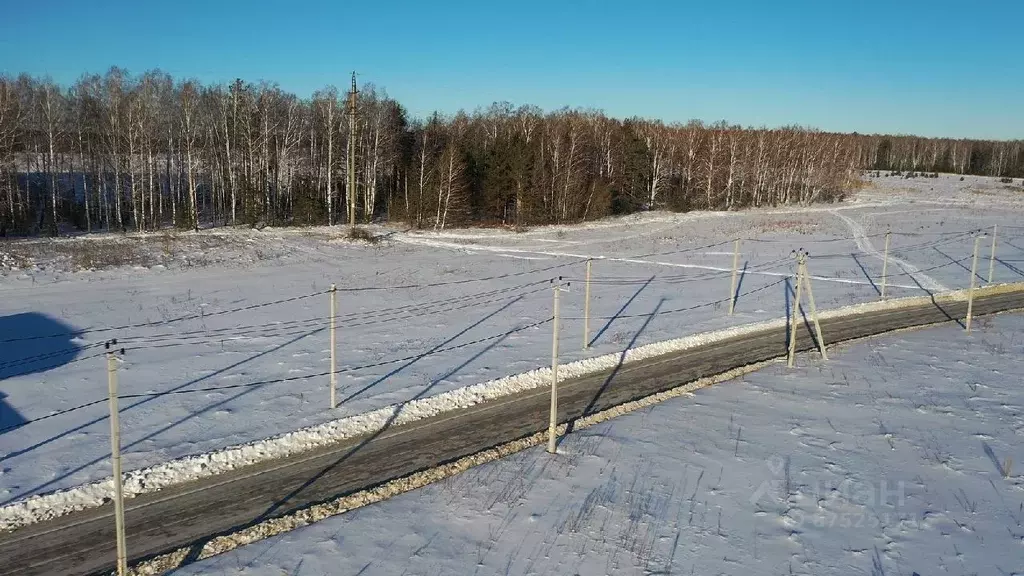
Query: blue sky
[936, 68]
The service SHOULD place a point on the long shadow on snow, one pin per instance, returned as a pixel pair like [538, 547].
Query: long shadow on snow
[197, 547]
[431, 351]
[621, 310]
[33, 346]
[152, 434]
[608, 381]
[1000, 467]
[1009, 243]
[958, 263]
[35, 343]
[866, 275]
[1011, 267]
[739, 284]
[932, 296]
[9, 417]
[936, 303]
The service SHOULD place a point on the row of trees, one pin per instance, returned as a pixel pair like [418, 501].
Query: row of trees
[518, 166]
[120, 152]
[913, 153]
[143, 152]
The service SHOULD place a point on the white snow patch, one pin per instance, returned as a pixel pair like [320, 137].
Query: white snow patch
[142, 481]
[828, 469]
[515, 257]
[860, 235]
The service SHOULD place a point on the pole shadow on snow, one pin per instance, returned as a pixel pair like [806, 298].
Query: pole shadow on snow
[621, 310]
[1010, 267]
[1008, 242]
[866, 275]
[197, 547]
[169, 426]
[913, 279]
[37, 343]
[960, 264]
[429, 352]
[608, 381]
[935, 302]
[739, 284]
[387, 425]
[1000, 467]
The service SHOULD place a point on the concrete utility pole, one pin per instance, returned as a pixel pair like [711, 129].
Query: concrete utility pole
[352, 153]
[115, 458]
[974, 275]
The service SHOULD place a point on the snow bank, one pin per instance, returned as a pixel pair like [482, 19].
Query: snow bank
[790, 468]
[47, 506]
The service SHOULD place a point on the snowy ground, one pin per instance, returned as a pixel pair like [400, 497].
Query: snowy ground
[228, 326]
[900, 455]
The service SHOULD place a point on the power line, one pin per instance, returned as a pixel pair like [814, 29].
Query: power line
[458, 282]
[274, 332]
[683, 250]
[279, 380]
[854, 238]
[682, 279]
[51, 354]
[54, 414]
[897, 248]
[677, 310]
[398, 312]
[343, 370]
[204, 314]
[930, 268]
[77, 333]
[281, 329]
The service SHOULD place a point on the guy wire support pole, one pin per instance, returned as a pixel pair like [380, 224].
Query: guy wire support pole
[796, 309]
[814, 309]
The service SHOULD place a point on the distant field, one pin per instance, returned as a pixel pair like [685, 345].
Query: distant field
[226, 330]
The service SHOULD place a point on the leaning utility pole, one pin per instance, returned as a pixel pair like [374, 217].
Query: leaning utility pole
[352, 153]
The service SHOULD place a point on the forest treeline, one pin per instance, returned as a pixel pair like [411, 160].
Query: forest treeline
[141, 152]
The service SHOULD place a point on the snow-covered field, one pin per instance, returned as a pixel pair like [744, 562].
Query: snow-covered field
[226, 330]
[901, 455]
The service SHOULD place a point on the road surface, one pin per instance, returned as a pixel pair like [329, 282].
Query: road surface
[83, 542]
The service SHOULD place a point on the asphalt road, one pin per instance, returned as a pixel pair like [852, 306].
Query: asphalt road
[83, 542]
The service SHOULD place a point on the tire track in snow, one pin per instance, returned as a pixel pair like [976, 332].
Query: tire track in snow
[865, 245]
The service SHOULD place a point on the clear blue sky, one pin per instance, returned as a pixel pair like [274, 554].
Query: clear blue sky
[930, 67]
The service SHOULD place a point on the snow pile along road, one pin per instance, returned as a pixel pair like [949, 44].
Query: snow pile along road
[47, 506]
[898, 456]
